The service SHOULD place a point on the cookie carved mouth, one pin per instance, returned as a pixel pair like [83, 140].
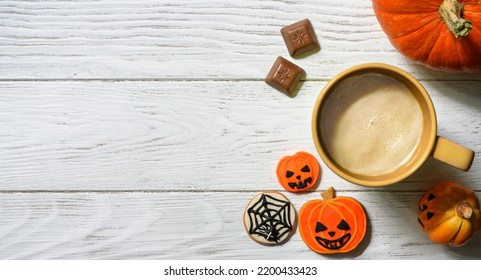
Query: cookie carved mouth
[301, 184]
[333, 244]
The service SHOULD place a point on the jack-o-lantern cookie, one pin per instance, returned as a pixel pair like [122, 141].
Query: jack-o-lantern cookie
[298, 172]
[333, 225]
[270, 218]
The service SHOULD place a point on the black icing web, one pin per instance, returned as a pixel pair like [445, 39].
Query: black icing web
[270, 218]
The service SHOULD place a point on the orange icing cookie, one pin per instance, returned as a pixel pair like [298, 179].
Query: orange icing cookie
[298, 172]
[333, 225]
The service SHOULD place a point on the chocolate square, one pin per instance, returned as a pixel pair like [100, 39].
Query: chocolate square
[300, 37]
[284, 76]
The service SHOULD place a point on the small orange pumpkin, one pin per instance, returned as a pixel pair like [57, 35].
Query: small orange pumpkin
[333, 225]
[449, 213]
[298, 172]
[441, 34]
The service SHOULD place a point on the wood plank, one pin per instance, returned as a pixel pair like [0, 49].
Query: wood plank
[204, 135]
[174, 39]
[141, 129]
[165, 225]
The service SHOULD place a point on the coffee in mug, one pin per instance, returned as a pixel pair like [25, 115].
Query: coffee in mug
[371, 124]
[374, 125]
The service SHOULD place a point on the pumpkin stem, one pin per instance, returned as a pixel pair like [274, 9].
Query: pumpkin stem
[451, 12]
[328, 194]
[464, 210]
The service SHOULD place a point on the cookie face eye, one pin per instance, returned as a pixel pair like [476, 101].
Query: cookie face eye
[289, 174]
[320, 227]
[343, 225]
[306, 169]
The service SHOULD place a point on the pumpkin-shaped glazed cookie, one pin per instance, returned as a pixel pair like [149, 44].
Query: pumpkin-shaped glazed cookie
[333, 225]
[449, 213]
[298, 172]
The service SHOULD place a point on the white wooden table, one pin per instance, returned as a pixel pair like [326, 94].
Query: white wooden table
[140, 129]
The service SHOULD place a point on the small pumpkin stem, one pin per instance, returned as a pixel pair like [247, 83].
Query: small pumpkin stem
[464, 210]
[451, 12]
[328, 194]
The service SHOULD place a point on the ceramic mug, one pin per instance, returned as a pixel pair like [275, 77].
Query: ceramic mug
[375, 124]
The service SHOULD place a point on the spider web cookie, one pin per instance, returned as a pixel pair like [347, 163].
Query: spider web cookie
[270, 218]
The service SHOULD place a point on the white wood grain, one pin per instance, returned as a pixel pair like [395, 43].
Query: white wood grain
[140, 129]
[192, 225]
[172, 39]
[183, 135]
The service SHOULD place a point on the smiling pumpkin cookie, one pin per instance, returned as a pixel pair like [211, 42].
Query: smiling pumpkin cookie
[333, 225]
[298, 172]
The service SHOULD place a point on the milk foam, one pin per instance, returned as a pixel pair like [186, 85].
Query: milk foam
[371, 124]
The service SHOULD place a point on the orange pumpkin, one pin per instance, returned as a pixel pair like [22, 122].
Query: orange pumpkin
[298, 172]
[449, 213]
[333, 225]
[442, 34]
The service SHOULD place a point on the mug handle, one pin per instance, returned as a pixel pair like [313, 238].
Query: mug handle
[452, 153]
